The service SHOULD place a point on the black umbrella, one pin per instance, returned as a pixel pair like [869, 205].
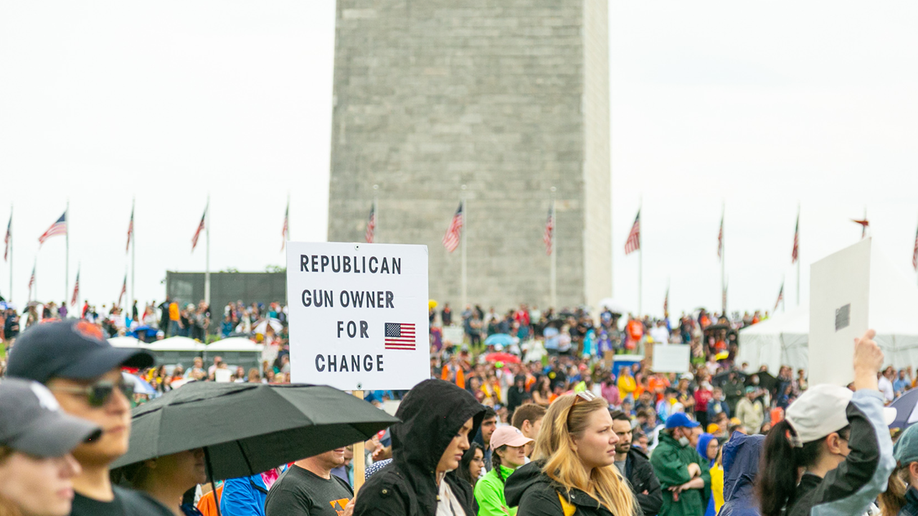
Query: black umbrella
[766, 380]
[721, 378]
[905, 408]
[250, 428]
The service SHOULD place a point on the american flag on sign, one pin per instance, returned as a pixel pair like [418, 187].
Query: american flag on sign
[400, 336]
[634, 237]
[194, 239]
[76, 289]
[9, 236]
[796, 251]
[451, 238]
[548, 236]
[130, 232]
[58, 228]
[371, 225]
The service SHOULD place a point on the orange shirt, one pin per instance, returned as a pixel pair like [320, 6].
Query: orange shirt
[657, 386]
[206, 504]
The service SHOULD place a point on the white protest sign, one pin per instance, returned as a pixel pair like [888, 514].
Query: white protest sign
[671, 358]
[839, 293]
[358, 315]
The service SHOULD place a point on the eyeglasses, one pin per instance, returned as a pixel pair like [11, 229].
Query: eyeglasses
[100, 393]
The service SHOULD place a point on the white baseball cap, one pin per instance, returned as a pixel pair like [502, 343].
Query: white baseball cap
[821, 410]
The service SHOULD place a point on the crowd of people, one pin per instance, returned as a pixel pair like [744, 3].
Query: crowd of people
[542, 423]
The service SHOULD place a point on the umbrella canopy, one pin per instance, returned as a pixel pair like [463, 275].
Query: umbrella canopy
[502, 357]
[720, 378]
[766, 380]
[499, 339]
[905, 405]
[262, 325]
[249, 428]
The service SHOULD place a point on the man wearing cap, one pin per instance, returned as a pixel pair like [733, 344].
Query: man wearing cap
[83, 371]
[36, 468]
[750, 412]
[678, 466]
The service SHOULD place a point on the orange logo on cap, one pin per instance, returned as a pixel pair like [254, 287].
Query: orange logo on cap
[88, 330]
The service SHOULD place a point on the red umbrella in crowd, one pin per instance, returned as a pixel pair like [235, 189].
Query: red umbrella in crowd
[502, 357]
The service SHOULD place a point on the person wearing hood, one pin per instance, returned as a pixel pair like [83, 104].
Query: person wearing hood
[741, 463]
[707, 448]
[437, 419]
[839, 438]
[574, 468]
[683, 473]
[901, 496]
[635, 466]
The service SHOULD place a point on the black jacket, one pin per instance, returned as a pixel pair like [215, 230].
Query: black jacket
[640, 474]
[535, 494]
[432, 414]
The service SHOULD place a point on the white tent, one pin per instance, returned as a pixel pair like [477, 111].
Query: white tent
[234, 344]
[892, 312]
[176, 344]
[125, 342]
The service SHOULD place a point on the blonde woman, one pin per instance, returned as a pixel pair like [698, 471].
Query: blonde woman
[574, 469]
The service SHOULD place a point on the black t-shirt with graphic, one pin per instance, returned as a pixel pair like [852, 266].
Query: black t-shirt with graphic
[300, 493]
[126, 503]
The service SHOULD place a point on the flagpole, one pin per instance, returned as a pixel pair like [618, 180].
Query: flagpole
[11, 253]
[798, 257]
[67, 252]
[133, 255]
[554, 253]
[207, 254]
[723, 259]
[640, 258]
[376, 214]
[465, 229]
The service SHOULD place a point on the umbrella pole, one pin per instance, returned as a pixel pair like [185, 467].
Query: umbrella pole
[210, 476]
[360, 463]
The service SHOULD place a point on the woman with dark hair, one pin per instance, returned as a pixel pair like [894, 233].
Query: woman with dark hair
[541, 394]
[839, 438]
[574, 468]
[471, 464]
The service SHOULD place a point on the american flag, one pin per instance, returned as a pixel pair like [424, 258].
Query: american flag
[8, 238]
[32, 279]
[451, 238]
[634, 237]
[400, 336]
[780, 297]
[720, 238]
[864, 224]
[130, 231]
[796, 251]
[197, 233]
[123, 291]
[666, 303]
[915, 253]
[76, 289]
[549, 234]
[371, 225]
[58, 228]
[286, 222]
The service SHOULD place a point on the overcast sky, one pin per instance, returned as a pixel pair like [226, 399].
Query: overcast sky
[761, 106]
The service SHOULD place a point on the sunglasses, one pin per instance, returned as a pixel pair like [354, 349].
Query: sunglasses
[581, 396]
[100, 393]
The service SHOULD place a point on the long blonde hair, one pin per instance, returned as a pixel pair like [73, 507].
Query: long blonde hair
[565, 421]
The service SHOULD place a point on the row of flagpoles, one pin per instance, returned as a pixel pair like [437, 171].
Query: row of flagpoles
[452, 239]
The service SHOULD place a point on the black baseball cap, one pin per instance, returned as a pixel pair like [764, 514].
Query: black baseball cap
[33, 422]
[75, 349]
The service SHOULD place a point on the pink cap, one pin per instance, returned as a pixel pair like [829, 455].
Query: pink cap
[508, 436]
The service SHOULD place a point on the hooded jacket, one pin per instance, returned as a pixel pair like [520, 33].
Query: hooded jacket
[534, 493]
[741, 463]
[432, 413]
[670, 462]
